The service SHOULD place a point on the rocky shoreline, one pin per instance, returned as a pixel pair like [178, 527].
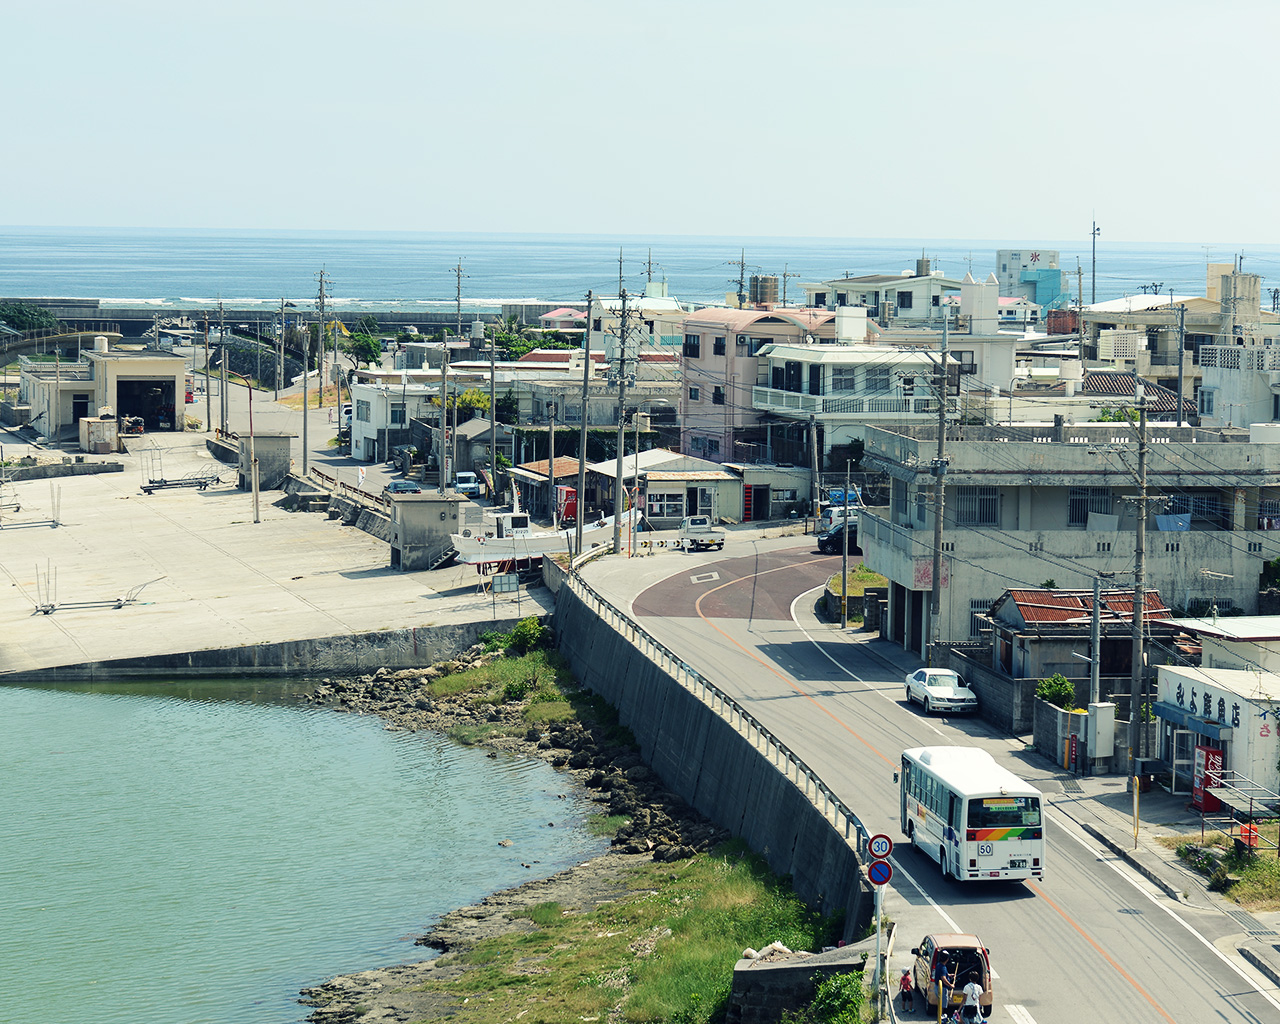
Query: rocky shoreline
[660, 826]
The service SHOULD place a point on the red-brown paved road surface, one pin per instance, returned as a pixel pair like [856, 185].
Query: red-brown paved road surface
[760, 586]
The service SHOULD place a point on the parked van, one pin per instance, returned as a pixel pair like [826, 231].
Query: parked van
[466, 483]
[834, 515]
[345, 419]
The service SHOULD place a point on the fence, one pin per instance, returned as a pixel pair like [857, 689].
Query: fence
[758, 735]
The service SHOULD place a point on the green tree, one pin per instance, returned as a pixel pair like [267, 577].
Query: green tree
[474, 402]
[367, 324]
[508, 410]
[23, 316]
[361, 349]
[1057, 690]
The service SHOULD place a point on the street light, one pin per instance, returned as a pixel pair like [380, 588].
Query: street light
[253, 457]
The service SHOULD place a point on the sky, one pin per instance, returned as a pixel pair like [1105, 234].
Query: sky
[918, 118]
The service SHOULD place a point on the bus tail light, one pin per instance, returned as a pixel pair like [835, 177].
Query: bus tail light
[1035, 862]
[973, 863]
[972, 835]
[1036, 834]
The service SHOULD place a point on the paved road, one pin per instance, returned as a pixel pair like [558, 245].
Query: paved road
[1091, 941]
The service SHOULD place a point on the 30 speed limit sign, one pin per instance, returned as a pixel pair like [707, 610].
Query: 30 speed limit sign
[880, 846]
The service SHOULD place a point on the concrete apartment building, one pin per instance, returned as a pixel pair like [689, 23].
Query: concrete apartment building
[1033, 275]
[1140, 332]
[719, 369]
[1031, 504]
[907, 297]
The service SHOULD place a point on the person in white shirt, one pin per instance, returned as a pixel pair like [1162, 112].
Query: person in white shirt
[972, 1009]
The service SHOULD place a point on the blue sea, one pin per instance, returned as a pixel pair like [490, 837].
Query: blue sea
[411, 271]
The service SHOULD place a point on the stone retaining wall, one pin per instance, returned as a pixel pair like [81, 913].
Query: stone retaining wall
[712, 763]
[49, 471]
[351, 654]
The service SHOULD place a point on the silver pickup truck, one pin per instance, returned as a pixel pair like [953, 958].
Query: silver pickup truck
[697, 533]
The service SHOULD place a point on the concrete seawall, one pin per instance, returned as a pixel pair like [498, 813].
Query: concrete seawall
[708, 752]
[351, 654]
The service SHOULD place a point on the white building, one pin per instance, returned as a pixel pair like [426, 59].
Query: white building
[906, 297]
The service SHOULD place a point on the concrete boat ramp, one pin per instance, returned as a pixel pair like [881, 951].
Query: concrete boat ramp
[98, 579]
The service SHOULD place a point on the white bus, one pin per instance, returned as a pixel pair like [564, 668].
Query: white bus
[976, 819]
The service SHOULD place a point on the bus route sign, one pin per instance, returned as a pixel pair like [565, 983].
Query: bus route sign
[880, 846]
[879, 872]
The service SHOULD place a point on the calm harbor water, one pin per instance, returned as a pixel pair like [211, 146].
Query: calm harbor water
[183, 854]
[407, 271]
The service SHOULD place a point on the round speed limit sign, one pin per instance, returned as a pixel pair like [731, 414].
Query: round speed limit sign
[880, 845]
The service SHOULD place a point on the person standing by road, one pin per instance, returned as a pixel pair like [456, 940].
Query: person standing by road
[972, 1008]
[906, 989]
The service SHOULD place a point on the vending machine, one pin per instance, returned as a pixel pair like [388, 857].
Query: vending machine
[1206, 772]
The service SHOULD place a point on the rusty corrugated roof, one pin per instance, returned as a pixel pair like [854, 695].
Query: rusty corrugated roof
[1077, 605]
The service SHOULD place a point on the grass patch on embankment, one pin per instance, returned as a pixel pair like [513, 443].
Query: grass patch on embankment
[663, 952]
[859, 578]
[1251, 880]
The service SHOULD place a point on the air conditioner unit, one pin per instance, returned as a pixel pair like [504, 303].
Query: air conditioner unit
[742, 339]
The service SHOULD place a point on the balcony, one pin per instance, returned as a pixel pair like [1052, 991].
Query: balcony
[796, 403]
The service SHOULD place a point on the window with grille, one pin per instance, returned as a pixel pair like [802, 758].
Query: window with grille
[876, 381]
[843, 378]
[362, 410]
[977, 607]
[977, 506]
[717, 347]
[1204, 506]
[717, 396]
[713, 446]
[693, 394]
[693, 346]
[397, 414]
[1083, 500]
[922, 501]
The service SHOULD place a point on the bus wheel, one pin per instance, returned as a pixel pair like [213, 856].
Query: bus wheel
[911, 832]
[942, 859]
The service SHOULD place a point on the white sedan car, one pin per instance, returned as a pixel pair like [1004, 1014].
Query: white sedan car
[940, 689]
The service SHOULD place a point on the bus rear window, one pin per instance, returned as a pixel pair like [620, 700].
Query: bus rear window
[1004, 811]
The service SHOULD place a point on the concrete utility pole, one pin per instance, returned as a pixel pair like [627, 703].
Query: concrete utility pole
[222, 342]
[1093, 235]
[939, 470]
[306, 398]
[208, 391]
[582, 431]
[813, 462]
[844, 556]
[280, 353]
[493, 413]
[618, 495]
[1182, 346]
[551, 465]
[323, 278]
[1139, 583]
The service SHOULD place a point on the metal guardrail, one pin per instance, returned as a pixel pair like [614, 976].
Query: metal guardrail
[347, 490]
[780, 755]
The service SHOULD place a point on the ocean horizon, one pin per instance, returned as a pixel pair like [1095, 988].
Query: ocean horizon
[179, 268]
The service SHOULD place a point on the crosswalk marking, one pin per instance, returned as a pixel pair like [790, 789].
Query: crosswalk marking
[1019, 1015]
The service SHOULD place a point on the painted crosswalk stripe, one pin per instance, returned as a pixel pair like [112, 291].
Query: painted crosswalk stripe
[1019, 1015]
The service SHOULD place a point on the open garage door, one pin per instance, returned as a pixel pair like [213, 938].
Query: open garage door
[152, 400]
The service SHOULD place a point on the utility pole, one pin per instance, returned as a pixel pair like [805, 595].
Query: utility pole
[618, 495]
[551, 465]
[222, 343]
[844, 554]
[306, 398]
[1139, 583]
[280, 353]
[1093, 235]
[323, 278]
[1182, 350]
[619, 270]
[447, 438]
[208, 391]
[741, 264]
[493, 413]
[813, 461]
[786, 275]
[939, 470]
[582, 430]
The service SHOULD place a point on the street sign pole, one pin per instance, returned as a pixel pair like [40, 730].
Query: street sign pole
[879, 872]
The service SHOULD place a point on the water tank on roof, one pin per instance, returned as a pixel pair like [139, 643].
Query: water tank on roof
[764, 290]
[477, 330]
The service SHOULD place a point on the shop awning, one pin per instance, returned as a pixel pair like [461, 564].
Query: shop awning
[1185, 719]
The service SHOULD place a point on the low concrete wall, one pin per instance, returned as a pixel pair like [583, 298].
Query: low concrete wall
[227, 452]
[1004, 702]
[762, 991]
[352, 654]
[57, 469]
[708, 752]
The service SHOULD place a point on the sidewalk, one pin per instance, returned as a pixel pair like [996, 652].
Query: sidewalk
[1103, 807]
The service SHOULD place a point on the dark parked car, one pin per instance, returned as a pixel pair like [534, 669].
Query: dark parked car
[832, 542]
[402, 487]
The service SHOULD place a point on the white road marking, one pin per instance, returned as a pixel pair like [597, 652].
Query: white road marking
[837, 664]
[1111, 863]
[706, 577]
[1019, 1014]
